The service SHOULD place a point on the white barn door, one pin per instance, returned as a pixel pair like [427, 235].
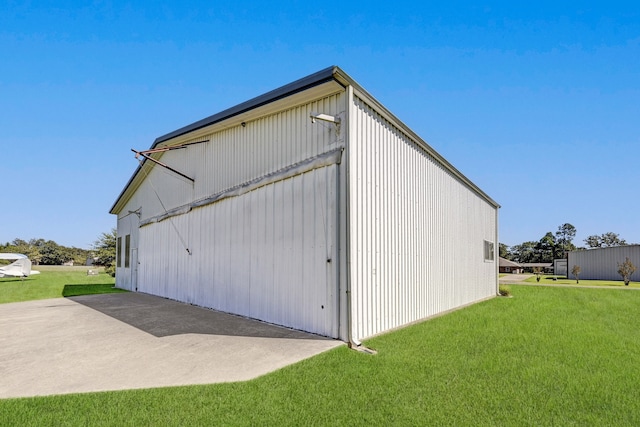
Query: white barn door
[127, 252]
[268, 254]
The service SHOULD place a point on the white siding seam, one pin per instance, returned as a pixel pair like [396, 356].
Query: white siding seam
[263, 255]
[410, 218]
[325, 159]
[602, 263]
[409, 135]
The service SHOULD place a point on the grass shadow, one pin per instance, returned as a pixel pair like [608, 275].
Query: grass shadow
[87, 289]
[16, 279]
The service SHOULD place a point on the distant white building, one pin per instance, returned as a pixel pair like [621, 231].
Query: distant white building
[311, 206]
[560, 267]
[602, 263]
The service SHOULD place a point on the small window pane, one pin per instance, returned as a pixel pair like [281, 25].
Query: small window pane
[119, 252]
[127, 247]
[488, 251]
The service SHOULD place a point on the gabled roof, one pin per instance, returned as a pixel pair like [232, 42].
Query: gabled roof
[331, 74]
[503, 262]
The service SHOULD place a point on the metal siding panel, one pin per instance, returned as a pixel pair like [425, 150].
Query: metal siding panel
[416, 230]
[268, 250]
[238, 154]
[602, 263]
[307, 228]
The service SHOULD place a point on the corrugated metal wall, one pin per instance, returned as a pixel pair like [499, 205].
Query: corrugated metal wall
[269, 254]
[416, 232]
[237, 155]
[263, 254]
[602, 264]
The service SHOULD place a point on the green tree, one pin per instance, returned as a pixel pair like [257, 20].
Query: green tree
[503, 251]
[105, 251]
[524, 252]
[51, 253]
[605, 240]
[79, 256]
[564, 237]
[546, 248]
[626, 269]
[46, 252]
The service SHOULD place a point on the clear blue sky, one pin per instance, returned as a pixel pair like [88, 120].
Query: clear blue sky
[538, 104]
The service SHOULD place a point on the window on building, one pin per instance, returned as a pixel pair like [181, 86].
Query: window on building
[119, 252]
[127, 247]
[488, 250]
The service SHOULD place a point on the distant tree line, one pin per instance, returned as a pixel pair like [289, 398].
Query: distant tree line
[48, 252]
[556, 245]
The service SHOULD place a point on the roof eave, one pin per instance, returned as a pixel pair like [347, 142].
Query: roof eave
[299, 85]
[328, 74]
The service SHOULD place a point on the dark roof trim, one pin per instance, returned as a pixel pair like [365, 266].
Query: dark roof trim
[300, 85]
[315, 79]
[328, 74]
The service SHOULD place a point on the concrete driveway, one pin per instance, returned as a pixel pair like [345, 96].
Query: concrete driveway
[514, 278]
[130, 340]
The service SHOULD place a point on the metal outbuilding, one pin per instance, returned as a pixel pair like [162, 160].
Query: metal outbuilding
[602, 263]
[312, 207]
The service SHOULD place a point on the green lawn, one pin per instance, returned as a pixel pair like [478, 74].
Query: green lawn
[547, 356]
[51, 283]
[548, 280]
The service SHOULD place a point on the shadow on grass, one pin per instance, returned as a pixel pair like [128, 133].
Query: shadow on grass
[15, 279]
[78, 290]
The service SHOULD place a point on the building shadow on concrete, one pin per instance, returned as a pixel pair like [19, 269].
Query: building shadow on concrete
[162, 317]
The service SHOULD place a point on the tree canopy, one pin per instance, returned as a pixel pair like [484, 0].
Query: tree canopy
[556, 245]
[46, 252]
[105, 251]
[564, 237]
[605, 240]
[551, 246]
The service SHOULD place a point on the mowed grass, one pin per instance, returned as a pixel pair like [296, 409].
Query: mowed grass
[548, 280]
[51, 283]
[548, 356]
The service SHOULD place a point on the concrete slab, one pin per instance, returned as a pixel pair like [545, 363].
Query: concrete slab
[514, 278]
[131, 340]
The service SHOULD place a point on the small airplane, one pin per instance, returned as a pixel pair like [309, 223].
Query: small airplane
[20, 267]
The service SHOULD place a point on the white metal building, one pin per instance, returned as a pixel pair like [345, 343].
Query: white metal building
[602, 263]
[560, 267]
[311, 206]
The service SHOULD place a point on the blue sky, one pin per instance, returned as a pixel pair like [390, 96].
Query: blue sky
[538, 104]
